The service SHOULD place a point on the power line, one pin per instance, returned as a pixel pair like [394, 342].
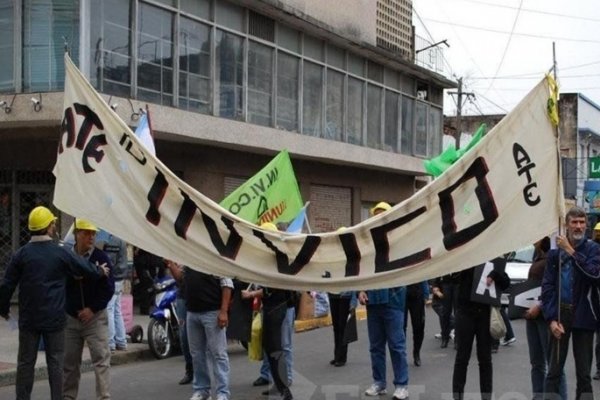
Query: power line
[530, 10]
[532, 77]
[531, 35]
[506, 47]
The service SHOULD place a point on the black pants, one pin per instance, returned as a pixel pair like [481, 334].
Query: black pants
[339, 307]
[583, 345]
[445, 308]
[272, 322]
[473, 322]
[415, 306]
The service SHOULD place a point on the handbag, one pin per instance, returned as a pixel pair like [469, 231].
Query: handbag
[497, 326]
[255, 349]
[350, 330]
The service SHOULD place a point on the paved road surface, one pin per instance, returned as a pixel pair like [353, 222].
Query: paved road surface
[315, 379]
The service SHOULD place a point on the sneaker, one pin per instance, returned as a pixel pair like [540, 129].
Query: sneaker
[437, 336]
[260, 381]
[200, 396]
[121, 348]
[452, 334]
[506, 342]
[401, 393]
[375, 390]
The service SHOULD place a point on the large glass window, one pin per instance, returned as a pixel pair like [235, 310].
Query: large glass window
[406, 138]
[374, 117]
[312, 103]
[421, 129]
[194, 66]
[435, 131]
[335, 105]
[230, 75]
[260, 84]
[110, 45]
[390, 136]
[155, 55]
[200, 8]
[287, 91]
[45, 25]
[6, 45]
[355, 111]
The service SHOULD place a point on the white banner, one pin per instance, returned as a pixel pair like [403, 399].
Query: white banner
[504, 194]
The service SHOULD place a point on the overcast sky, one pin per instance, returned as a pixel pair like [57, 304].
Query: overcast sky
[482, 47]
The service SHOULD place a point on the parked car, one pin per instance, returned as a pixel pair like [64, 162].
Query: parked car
[517, 269]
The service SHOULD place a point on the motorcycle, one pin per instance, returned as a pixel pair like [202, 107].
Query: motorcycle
[163, 329]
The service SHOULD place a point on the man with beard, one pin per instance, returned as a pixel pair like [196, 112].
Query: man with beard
[570, 303]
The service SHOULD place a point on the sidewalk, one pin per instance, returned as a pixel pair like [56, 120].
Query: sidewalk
[9, 346]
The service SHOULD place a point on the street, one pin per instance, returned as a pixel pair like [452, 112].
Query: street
[315, 379]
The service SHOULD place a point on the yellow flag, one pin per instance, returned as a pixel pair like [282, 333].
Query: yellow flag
[553, 100]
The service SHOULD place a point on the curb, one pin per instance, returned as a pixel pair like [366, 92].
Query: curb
[8, 377]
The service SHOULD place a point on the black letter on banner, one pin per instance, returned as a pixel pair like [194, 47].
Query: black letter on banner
[90, 120]
[155, 197]
[184, 219]
[452, 237]
[352, 254]
[91, 151]
[382, 246]
[68, 127]
[311, 243]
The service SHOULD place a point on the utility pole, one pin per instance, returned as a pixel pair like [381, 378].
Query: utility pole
[459, 103]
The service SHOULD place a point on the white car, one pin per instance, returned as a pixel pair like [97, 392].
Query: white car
[518, 263]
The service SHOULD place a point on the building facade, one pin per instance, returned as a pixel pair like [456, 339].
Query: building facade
[229, 84]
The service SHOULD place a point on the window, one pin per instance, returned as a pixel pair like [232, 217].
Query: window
[194, 66]
[336, 56]
[421, 129]
[200, 8]
[44, 26]
[230, 15]
[355, 111]
[287, 91]
[406, 132]
[335, 105]
[110, 36]
[155, 55]
[356, 65]
[6, 45]
[229, 75]
[435, 131]
[391, 121]
[260, 84]
[313, 48]
[288, 38]
[374, 117]
[312, 103]
[375, 71]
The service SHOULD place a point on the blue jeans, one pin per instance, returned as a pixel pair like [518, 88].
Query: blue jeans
[384, 323]
[208, 344]
[116, 326]
[537, 338]
[28, 350]
[183, 337]
[287, 330]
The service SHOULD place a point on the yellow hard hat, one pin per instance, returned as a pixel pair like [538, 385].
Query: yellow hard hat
[597, 227]
[269, 226]
[39, 218]
[382, 205]
[83, 225]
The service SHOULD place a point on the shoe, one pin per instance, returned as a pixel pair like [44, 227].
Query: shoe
[272, 390]
[437, 336]
[121, 348]
[444, 343]
[596, 377]
[417, 360]
[452, 334]
[401, 393]
[113, 351]
[375, 390]
[506, 342]
[287, 395]
[339, 363]
[332, 362]
[187, 378]
[200, 396]
[260, 381]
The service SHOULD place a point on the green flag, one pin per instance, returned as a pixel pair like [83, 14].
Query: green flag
[437, 165]
[272, 195]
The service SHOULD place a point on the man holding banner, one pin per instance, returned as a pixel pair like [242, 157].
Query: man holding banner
[571, 303]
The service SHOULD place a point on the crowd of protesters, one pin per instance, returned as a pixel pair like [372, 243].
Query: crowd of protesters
[70, 295]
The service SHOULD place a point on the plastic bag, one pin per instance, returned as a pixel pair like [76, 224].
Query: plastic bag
[321, 304]
[497, 327]
[255, 349]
